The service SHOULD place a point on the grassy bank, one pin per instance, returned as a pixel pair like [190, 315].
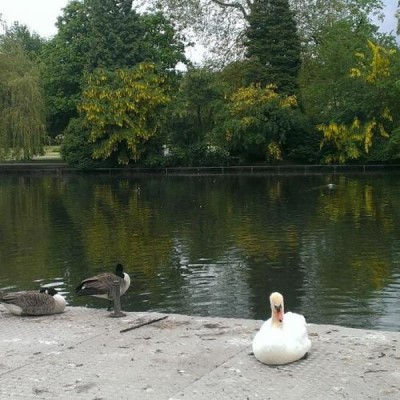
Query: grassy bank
[51, 153]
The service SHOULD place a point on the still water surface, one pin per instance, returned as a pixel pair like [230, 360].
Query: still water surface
[212, 245]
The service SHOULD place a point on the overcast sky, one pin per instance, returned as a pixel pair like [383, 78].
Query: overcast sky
[41, 15]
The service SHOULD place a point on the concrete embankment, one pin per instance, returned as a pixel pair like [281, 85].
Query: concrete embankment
[85, 354]
[61, 168]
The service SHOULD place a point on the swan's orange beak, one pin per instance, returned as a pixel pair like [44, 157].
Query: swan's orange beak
[279, 312]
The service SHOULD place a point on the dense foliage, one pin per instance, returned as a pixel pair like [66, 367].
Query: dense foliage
[307, 81]
[120, 109]
[22, 111]
[272, 40]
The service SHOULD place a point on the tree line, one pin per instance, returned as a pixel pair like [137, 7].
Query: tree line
[298, 81]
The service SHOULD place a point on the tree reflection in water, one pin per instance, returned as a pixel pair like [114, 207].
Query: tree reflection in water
[211, 245]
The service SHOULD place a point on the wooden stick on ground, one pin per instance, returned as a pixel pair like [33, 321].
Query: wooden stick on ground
[143, 324]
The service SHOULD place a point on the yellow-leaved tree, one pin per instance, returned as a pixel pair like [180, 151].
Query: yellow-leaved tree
[261, 119]
[373, 114]
[120, 110]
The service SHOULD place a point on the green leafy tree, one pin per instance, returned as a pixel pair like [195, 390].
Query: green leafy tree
[202, 128]
[314, 17]
[348, 91]
[352, 139]
[192, 107]
[120, 110]
[191, 119]
[114, 31]
[106, 34]
[64, 60]
[22, 112]
[31, 43]
[161, 43]
[76, 149]
[272, 39]
[260, 121]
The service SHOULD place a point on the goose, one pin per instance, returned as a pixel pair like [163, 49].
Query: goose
[283, 338]
[46, 301]
[102, 285]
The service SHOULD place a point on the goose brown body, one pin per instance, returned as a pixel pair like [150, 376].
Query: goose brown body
[101, 285]
[46, 302]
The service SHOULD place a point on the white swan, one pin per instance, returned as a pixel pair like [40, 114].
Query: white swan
[102, 285]
[45, 302]
[283, 338]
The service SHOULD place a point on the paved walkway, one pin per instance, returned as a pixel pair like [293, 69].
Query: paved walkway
[85, 354]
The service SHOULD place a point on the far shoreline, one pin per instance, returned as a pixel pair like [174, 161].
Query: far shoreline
[60, 168]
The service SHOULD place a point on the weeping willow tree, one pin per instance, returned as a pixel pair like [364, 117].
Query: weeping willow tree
[22, 109]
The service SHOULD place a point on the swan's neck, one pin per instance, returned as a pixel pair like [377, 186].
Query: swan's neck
[276, 322]
[277, 316]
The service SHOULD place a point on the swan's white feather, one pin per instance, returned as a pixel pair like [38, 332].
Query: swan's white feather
[283, 343]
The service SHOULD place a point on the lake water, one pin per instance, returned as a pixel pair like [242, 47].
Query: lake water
[212, 245]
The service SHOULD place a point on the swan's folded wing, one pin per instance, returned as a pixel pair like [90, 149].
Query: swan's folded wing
[296, 327]
[294, 320]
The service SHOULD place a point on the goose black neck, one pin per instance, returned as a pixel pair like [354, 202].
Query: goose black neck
[119, 270]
